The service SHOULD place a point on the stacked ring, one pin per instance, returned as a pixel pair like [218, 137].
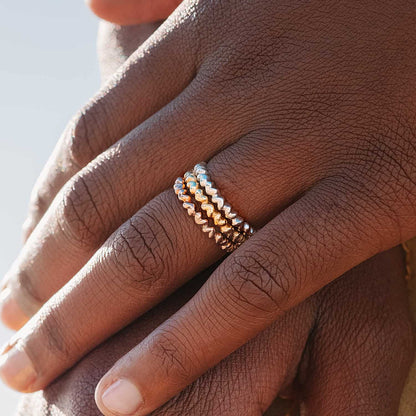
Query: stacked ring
[204, 179]
[204, 203]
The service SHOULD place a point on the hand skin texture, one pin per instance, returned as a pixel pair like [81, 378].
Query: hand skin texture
[305, 111]
[245, 383]
[347, 350]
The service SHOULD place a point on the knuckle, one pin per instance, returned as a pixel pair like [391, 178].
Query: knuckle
[175, 355]
[30, 292]
[80, 213]
[258, 279]
[143, 250]
[381, 169]
[80, 149]
[39, 203]
[57, 337]
[384, 154]
[88, 134]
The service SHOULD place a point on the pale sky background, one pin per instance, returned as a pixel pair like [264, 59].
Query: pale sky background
[48, 69]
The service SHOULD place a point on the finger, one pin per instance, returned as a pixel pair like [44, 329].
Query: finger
[152, 254]
[315, 240]
[100, 198]
[130, 12]
[244, 382]
[73, 393]
[358, 360]
[95, 203]
[249, 380]
[155, 74]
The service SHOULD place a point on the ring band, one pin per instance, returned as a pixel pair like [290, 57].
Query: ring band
[204, 203]
[189, 205]
[202, 174]
[209, 210]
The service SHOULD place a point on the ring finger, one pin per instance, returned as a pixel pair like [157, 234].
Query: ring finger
[147, 258]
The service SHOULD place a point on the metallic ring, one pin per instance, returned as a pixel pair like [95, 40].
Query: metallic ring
[225, 228]
[185, 198]
[204, 203]
[204, 179]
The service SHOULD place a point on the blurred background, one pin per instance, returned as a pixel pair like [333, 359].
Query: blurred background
[48, 69]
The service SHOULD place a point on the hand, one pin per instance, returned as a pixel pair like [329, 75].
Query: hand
[285, 90]
[333, 345]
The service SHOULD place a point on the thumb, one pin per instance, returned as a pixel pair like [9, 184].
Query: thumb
[130, 12]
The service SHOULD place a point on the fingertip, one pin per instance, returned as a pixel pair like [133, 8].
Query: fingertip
[118, 397]
[17, 370]
[11, 314]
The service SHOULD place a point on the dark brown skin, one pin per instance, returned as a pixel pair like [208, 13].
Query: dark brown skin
[234, 385]
[338, 346]
[306, 112]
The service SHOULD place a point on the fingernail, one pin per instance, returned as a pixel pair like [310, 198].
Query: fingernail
[122, 397]
[16, 369]
[10, 312]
